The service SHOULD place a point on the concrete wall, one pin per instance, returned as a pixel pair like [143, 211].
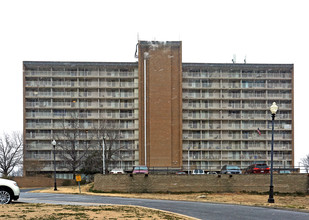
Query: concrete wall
[37, 181]
[201, 183]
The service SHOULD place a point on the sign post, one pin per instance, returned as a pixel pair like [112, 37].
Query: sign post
[78, 179]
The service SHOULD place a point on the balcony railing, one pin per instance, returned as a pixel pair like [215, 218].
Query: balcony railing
[38, 115]
[118, 95]
[118, 115]
[38, 104]
[118, 74]
[200, 85]
[38, 83]
[118, 85]
[39, 156]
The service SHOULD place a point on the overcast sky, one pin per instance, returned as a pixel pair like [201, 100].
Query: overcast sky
[264, 31]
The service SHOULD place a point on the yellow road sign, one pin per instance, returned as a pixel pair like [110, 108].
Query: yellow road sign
[78, 178]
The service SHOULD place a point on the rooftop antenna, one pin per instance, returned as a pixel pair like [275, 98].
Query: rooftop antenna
[234, 58]
[136, 51]
[136, 48]
[245, 60]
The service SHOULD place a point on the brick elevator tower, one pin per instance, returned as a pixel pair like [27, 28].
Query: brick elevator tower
[160, 103]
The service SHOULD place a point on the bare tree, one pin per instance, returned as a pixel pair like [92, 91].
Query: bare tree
[34, 165]
[93, 163]
[11, 152]
[17, 172]
[108, 132]
[111, 140]
[305, 162]
[72, 145]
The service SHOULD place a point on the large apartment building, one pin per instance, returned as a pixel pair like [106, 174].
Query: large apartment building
[167, 113]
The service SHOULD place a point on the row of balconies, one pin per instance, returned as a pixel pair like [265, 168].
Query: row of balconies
[96, 104]
[186, 126]
[217, 115]
[253, 75]
[124, 158]
[241, 138]
[46, 145]
[278, 146]
[69, 94]
[235, 136]
[50, 156]
[186, 95]
[94, 73]
[244, 95]
[56, 125]
[251, 158]
[233, 126]
[186, 85]
[197, 104]
[42, 136]
[80, 126]
[194, 155]
[75, 84]
[218, 85]
[134, 73]
[221, 133]
[237, 155]
[235, 144]
[190, 85]
[201, 117]
[259, 105]
[89, 115]
[76, 104]
[238, 148]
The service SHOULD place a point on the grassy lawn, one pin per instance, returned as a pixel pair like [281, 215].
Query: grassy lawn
[48, 211]
[289, 201]
[65, 212]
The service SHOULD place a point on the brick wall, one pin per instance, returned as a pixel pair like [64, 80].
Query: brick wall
[37, 181]
[164, 103]
[201, 183]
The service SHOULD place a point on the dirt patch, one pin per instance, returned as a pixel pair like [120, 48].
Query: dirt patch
[65, 212]
[281, 201]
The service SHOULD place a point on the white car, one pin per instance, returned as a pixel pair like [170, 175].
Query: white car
[9, 191]
[117, 171]
[198, 171]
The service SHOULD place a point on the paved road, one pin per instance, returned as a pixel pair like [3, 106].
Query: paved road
[194, 209]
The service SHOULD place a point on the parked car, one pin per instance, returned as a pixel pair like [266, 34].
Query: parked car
[140, 170]
[181, 173]
[257, 168]
[9, 191]
[230, 169]
[284, 172]
[198, 171]
[117, 171]
[211, 172]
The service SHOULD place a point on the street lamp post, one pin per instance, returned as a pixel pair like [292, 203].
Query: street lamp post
[55, 183]
[120, 157]
[188, 160]
[273, 109]
[103, 154]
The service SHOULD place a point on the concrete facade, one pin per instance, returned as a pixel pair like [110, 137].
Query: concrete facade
[198, 115]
